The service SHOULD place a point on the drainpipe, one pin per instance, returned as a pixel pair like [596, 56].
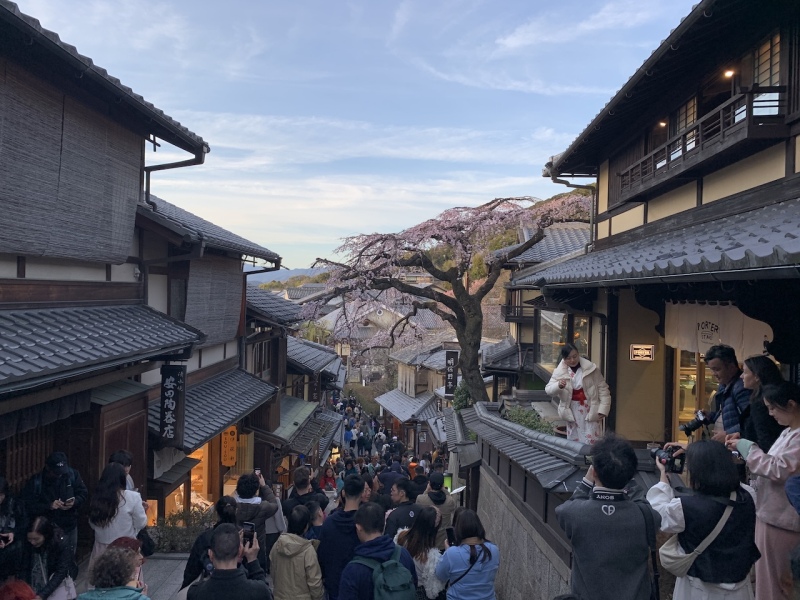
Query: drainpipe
[199, 159]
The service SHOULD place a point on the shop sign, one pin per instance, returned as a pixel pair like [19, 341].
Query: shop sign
[313, 388]
[229, 444]
[450, 373]
[643, 352]
[173, 405]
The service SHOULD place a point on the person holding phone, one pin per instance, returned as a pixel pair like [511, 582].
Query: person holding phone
[58, 493]
[255, 503]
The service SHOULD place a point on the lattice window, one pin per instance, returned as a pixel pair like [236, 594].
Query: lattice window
[767, 62]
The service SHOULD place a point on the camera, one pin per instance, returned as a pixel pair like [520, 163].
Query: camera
[700, 420]
[666, 456]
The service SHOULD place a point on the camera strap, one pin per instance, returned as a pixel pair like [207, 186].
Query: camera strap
[650, 528]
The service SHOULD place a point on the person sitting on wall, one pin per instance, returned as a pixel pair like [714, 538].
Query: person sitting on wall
[607, 529]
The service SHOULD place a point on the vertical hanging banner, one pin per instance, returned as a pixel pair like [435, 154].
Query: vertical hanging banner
[173, 405]
[450, 373]
[230, 441]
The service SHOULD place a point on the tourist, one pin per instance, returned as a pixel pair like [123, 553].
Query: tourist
[339, 538]
[420, 541]
[255, 503]
[437, 496]
[113, 577]
[45, 558]
[405, 508]
[199, 563]
[295, 570]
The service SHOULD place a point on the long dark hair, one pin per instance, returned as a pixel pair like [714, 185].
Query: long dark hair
[45, 527]
[226, 509]
[469, 526]
[766, 371]
[105, 500]
[422, 535]
[713, 473]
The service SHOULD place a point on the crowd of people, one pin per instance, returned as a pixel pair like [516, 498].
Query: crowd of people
[343, 531]
[39, 533]
[737, 520]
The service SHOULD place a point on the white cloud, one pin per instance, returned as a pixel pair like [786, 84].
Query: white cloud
[557, 28]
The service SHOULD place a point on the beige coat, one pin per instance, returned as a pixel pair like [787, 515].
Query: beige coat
[446, 508]
[594, 386]
[295, 570]
[773, 469]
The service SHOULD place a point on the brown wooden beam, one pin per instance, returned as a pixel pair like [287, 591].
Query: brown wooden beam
[36, 293]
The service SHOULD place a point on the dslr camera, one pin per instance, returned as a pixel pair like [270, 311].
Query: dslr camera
[700, 420]
[666, 456]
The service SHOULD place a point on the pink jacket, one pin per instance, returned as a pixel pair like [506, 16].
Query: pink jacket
[773, 469]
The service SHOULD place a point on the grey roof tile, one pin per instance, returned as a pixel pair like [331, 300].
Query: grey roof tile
[294, 414]
[215, 404]
[271, 306]
[404, 407]
[183, 222]
[59, 342]
[309, 356]
[10, 12]
[559, 239]
[764, 237]
[505, 356]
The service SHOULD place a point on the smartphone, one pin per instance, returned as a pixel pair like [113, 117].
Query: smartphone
[257, 470]
[249, 532]
[68, 500]
[69, 493]
[451, 536]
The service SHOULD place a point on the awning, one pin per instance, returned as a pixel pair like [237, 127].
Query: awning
[171, 479]
[215, 404]
[749, 245]
[403, 407]
[40, 346]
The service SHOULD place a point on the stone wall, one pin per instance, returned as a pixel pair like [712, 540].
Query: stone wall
[529, 570]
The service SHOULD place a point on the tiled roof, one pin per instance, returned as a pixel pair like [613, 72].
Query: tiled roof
[215, 404]
[10, 13]
[38, 345]
[198, 229]
[271, 306]
[296, 293]
[436, 426]
[765, 237]
[404, 407]
[333, 435]
[294, 413]
[504, 356]
[428, 319]
[308, 356]
[559, 239]
[335, 373]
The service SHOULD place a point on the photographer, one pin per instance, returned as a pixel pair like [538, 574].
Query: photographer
[722, 569]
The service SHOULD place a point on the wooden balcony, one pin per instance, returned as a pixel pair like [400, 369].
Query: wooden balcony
[517, 313]
[741, 126]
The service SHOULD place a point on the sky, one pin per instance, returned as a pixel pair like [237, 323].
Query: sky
[330, 118]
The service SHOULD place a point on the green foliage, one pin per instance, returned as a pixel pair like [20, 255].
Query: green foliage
[530, 419]
[461, 397]
[478, 269]
[504, 240]
[295, 281]
[178, 531]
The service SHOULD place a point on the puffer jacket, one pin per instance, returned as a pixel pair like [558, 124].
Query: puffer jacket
[257, 513]
[117, 593]
[295, 570]
[594, 386]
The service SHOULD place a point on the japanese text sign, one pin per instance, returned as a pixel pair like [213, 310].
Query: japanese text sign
[450, 372]
[173, 405]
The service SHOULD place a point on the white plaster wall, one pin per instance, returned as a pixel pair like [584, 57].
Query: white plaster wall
[157, 292]
[152, 377]
[213, 354]
[64, 270]
[8, 266]
[123, 273]
[233, 349]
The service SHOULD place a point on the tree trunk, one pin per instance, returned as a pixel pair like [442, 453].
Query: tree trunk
[469, 339]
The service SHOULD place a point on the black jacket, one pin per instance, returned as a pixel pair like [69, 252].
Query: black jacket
[57, 558]
[337, 545]
[296, 499]
[198, 561]
[258, 513]
[758, 425]
[242, 583]
[401, 517]
[41, 490]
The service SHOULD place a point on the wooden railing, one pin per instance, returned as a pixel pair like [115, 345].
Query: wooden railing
[755, 111]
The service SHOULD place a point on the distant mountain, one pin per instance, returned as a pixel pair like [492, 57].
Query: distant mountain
[281, 275]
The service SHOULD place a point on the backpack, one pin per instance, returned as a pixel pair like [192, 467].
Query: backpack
[390, 580]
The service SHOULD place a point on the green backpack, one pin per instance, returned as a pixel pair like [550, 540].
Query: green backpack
[390, 579]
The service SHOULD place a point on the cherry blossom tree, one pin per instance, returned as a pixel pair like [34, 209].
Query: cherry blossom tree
[445, 247]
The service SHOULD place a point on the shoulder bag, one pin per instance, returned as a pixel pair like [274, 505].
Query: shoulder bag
[650, 528]
[676, 561]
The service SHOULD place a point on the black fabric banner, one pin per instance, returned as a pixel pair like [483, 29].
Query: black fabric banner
[173, 405]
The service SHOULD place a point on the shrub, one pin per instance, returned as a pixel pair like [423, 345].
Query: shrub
[461, 397]
[530, 419]
[178, 531]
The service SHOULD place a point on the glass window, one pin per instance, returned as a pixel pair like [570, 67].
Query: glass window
[552, 328]
[689, 396]
[581, 328]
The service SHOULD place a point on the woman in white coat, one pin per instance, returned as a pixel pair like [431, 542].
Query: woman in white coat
[583, 396]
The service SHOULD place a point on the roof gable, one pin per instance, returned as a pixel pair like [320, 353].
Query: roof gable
[271, 306]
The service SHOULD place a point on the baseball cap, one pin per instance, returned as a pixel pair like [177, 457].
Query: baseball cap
[436, 481]
[57, 463]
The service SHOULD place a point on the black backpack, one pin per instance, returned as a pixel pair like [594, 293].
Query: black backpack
[391, 580]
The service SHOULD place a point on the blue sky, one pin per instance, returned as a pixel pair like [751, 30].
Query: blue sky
[329, 118]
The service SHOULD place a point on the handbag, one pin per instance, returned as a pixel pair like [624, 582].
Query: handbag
[148, 543]
[65, 590]
[678, 562]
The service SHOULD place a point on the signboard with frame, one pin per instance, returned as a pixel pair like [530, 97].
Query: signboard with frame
[173, 405]
[643, 352]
